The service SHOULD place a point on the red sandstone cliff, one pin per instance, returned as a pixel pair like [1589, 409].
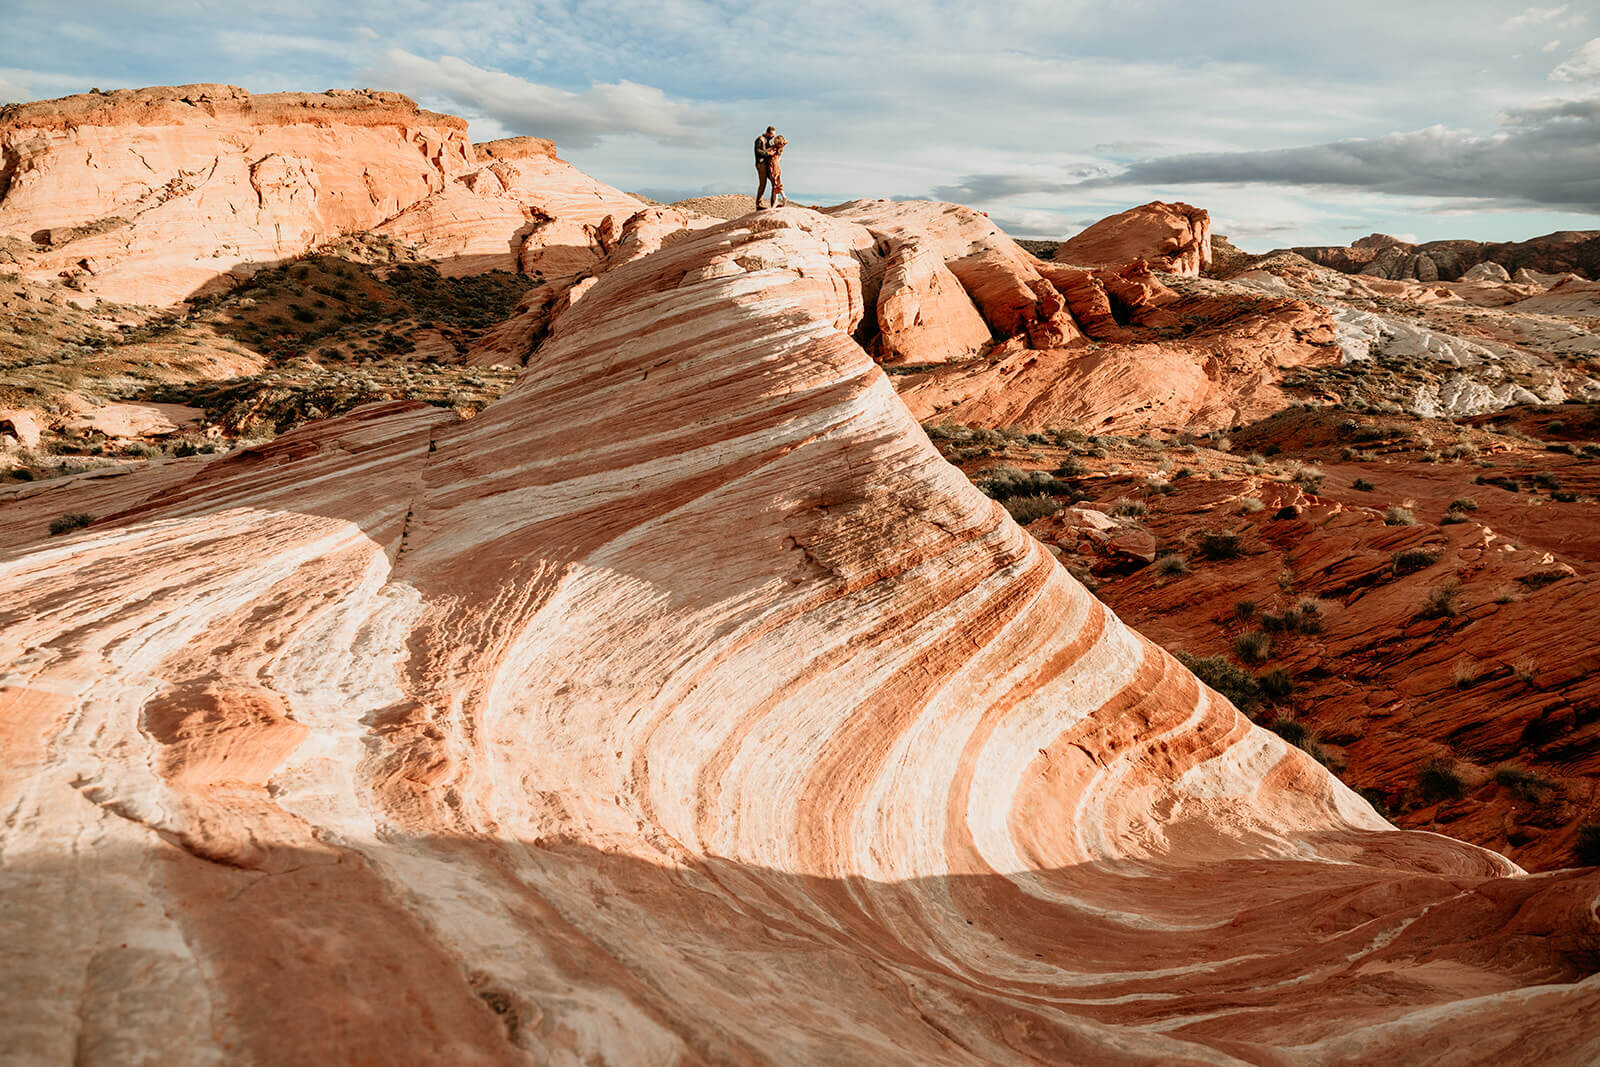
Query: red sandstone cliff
[150, 195]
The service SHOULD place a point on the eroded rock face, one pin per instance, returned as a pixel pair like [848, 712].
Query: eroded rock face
[1567, 251]
[1175, 238]
[686, 705]
[151, 195]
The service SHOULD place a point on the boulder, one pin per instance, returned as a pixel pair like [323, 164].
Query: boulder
[1486, 272]
[1174, 238]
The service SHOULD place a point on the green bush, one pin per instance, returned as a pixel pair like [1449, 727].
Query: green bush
[1291, 731]
[1233, 682]
[1003, 482]
[1253, 647]
[1277, 684]
[1531, 787]
[76, 520]
[1171, 564]
[1411, 560]
[1441, 601]
[1220, 544]
[1026, 509]
[1438, 780]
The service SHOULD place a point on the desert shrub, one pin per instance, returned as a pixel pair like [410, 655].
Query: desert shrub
[1026, 509]
[1277, 684]
[1003, 482]
[1586, 848]
[1253, 647]
[1590, 451]
[304, 315]
[1155, 486]
[75, 520]
[1429, 457]
[1303, 618]
[1463, 503]
[1399, 516]
[1546, 480]
[1249, 505]
[1244, 609]
[1069, 468]
[1527, 785]
[1441, 602]
[1220, 544]
[1465, 673]
[1291, 731]
[1375, 797]
[1461, 450]
[1289, 511]
[1309, 479]
[1524, 668]
[1256, 459]
[1233, 682]
[1438, 780]
[1065, 437]
[1129, 508]
[1411, 560]
[1171, 564]
[1540, 579]
[1361, 485]
[946, 431]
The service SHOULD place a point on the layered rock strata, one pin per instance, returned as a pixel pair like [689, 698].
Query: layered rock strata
[686, 706]
[153, 195]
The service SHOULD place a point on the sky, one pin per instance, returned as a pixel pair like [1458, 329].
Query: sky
[1292, 123]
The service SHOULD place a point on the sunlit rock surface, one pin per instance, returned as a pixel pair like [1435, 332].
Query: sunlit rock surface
[685, 706]
[152, 195]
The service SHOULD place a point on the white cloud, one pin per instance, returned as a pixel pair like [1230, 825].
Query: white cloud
[235, 43]
[1582, 65]
[574, 119]
[1552, 46]
[1536, 16]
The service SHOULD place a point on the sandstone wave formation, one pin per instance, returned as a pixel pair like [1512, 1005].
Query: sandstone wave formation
[686, 706]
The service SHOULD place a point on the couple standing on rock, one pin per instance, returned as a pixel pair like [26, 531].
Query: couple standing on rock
[769, 146]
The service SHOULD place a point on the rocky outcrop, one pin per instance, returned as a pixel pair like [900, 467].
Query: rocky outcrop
[924, 315]
[1486, 272]
[1567, 251]
[1174, 238]
[685, 705]
[151, 195]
